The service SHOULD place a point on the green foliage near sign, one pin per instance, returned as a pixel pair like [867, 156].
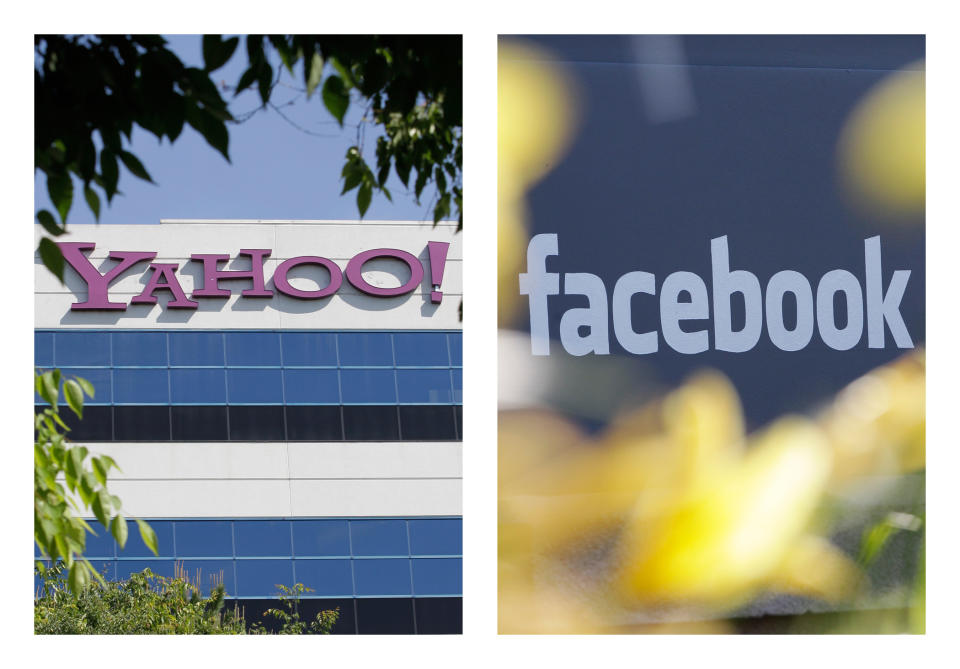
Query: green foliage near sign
[412, 86]
[65, 474]
[150, 604]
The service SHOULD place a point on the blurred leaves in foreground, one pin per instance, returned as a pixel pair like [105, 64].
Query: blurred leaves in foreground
[674, 519]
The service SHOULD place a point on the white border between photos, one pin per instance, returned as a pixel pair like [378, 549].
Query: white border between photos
[480, 22]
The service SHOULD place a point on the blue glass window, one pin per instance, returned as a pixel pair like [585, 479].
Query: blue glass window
[196, 348]
[198, 386]
[140, 386]
[379, 537]
[82, 348]
[135, 546]
[207, 573]
[100, 546]
[421, 349]
[437, 576]
[126, 568]
[424, 386]
[321, 537]
[436, 536]
[457, 375]
[382, 577]
[328, 578]
[262, 538]
[368, 386]
[259, 349]
[100, 378]
[140, 348]
[365, 348]
[456, 348]
[308, 349]
[43, 349]
[204, 538]
[311, 386]
[254, 386]
[259, 578]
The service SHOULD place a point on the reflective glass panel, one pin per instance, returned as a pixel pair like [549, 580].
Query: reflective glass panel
[257, 538]
[379, 537]
[415, 349]
[198, 386]
[140, 386]
[82, 348]
[329, 578]
[382, 576]
[436, 536]
[424, 386]
[368, 386]
[253, 348]
[365, 348]
[254, 386]
[321, 537]
[259, 578]
[196, 348]
[311, 386]
[43, 349]
[306, 349]
[140, 348]
[135, 546]
[204, 538]
[437, 576]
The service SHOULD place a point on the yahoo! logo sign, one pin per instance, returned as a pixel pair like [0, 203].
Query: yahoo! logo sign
[164, 275]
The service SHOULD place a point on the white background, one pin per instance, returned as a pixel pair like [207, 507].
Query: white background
[480, 22]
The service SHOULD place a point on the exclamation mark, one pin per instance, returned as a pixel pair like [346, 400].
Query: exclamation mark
[438, 259]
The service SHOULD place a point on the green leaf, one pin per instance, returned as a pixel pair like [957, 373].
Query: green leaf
[50, 391]
[78, 577]
[353, 178]
[93, 201]
[246, 79]
[335, 97]
[148, 535]
[49, 223]
[363, 198]
[52, 257]
[60, 189]
[110, 172]
[86, 385]
[74, 396]
[134, 165]
[217, 51]
[99, 470]
[99, 507]
[313, 72]
[213, 129]
[118, 528]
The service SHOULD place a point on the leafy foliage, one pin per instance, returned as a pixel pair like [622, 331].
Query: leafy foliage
[150, 604]
[288, 615]
[88, 87]
[414, 89]
[102, 85]
[62, 474]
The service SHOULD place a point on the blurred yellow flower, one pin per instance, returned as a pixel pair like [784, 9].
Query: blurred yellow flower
[883, 144]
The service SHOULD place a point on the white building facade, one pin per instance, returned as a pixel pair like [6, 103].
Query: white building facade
[285, 401]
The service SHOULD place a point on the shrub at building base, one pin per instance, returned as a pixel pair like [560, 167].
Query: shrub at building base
[150, 604]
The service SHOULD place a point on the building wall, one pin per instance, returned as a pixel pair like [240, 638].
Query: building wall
[283, 422]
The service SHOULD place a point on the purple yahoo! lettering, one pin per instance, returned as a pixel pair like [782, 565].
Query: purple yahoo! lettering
[165, 271]
[98, 284]
[283, 285]
[355, 272]
[212, 275]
